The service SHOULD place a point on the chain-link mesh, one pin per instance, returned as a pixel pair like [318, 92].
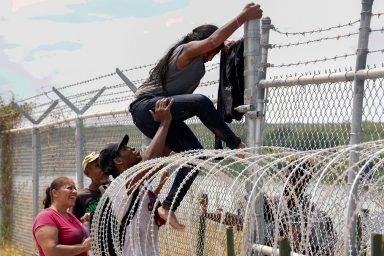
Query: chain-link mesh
[308, 117]
[298, 117]
[306, 198]
[373, 112]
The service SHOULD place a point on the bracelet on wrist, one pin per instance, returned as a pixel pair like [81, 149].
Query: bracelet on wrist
[238, 22]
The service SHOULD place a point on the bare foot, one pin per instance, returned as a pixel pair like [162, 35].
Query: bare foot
[242, 145]
[163, 213]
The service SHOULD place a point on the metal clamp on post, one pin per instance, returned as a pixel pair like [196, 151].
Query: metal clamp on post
[243, 108]
[255, 114]
[265, 65]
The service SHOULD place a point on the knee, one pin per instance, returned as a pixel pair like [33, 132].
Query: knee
[203, 100]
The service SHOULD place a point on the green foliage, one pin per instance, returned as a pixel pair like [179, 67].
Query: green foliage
[9, 117]
[318, 136]
[307, 136]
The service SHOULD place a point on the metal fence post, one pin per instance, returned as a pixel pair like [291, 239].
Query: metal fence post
[260, 91]
[377, 245]
[35, 170]
[79, 131]
[35, 152]
[230, 242]
[201, 232]
[356, 125]
[126, 80]
[284, 247]
[260, 120]
[252, 60]
[79, 152]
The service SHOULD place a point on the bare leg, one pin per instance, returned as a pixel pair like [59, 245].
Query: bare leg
[163, 213]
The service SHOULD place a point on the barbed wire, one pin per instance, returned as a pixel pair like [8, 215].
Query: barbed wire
[107, 75]
[312, 61]
[314, 40]
[104, 95]
[326, 71]
[216, 65]
[375, 51]
[378, 30]
[68, 86]
[84, 82]
[81, 102]
[320, 30]
[114, 100]
[75, 96]
[212, 67]
[208, 83]
[139, 67]
[377, 14]
[314, 72]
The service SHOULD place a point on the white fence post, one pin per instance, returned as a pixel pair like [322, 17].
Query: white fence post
[356, 126]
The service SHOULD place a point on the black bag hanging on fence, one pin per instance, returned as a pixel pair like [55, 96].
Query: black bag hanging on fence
[231, 84]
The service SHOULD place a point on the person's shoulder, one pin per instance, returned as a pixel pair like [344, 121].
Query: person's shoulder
[48, 212]
[45, 217]
[177, 52]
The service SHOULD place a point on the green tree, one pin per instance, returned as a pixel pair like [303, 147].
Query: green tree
[9, 118]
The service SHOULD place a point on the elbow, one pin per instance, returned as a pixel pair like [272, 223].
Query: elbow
[213, 42]
[49, 252]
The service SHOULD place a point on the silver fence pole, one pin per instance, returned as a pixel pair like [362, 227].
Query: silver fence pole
[79, 152]
[260, 119]
[260, 91]
[377, 244]
[35, 152]
[356, 126]
[79, 131]
[230, 241]
[252, 59]
[35, 170]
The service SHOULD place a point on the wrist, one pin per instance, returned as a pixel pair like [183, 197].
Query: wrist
[165, 123]
[239, 20]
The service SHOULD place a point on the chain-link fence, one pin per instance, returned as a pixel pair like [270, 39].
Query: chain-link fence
[300, 117]
[304, 111]
[305, 197]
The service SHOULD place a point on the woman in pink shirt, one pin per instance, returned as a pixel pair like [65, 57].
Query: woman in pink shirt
[56, 230]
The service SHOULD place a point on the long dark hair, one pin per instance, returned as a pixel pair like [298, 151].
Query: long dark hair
[56, 184]
[159, 72]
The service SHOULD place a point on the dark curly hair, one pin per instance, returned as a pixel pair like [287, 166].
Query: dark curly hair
[159, 72]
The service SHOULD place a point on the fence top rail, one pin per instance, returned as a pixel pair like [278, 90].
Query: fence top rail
[371, 73]
[68, 120]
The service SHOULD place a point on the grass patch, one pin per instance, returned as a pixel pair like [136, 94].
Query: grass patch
[8, 249]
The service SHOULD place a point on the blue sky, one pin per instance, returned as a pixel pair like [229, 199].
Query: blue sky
[101, 10]
[45, 43]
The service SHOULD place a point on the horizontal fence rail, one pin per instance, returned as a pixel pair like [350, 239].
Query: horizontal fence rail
[372, 73]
